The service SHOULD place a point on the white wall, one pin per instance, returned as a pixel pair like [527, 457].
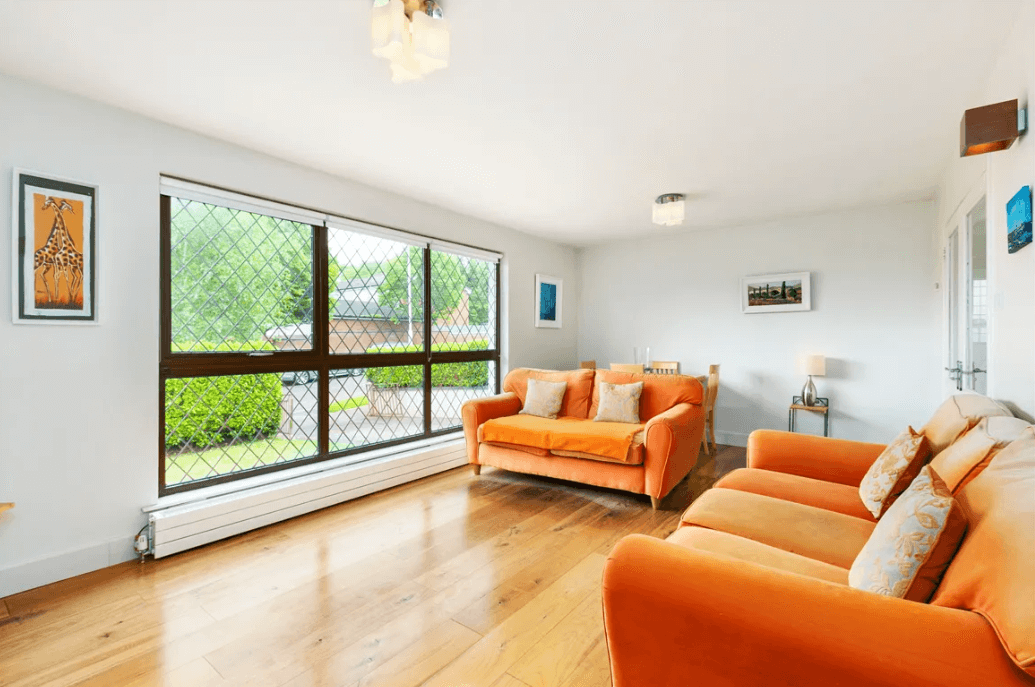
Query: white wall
[78, 405]
[874, 315]
[1000, 175]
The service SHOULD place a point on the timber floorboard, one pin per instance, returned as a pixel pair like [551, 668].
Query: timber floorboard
[490, 581]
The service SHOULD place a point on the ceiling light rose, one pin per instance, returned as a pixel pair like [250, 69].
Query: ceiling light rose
[669, 209]
[411, 35]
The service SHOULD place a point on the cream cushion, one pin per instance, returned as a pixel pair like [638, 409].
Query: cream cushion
[619, 402]
[957, 415]
[543, 399]
[971, 453]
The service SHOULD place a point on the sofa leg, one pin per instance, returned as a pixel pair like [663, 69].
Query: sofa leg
[655, 502]
[477, 468]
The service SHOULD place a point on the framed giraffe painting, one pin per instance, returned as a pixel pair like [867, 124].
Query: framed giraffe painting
[55, 250]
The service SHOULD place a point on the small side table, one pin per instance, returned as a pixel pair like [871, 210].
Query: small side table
[822, 406]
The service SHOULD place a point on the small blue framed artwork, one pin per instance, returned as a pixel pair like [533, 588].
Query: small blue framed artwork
[1018, 220]
[548, 298]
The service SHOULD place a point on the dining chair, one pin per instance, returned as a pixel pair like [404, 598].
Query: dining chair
[620, 367]
[665, 367]
[711, 392]
[588, 365]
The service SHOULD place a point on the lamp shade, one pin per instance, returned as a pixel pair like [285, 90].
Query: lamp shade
[430, 42]
[389, 29]
[668, 211]
[815, 365]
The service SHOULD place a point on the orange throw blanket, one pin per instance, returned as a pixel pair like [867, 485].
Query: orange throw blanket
[607, 439]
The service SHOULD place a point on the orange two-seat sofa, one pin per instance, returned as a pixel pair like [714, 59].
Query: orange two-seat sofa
[649, 457]
[752, 588]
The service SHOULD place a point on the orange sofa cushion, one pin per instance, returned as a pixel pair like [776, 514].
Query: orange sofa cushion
[611, 440]
[823, 535]
[530, 450]
[660, 392]
[634, 457]
[971, 453]
[957, 415]
[742, 549]
[992, 571]
[576, 396]
[840, 498]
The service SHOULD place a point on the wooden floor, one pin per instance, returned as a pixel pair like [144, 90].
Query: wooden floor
[490, 581]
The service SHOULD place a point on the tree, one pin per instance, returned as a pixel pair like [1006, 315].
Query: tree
[478, 285]
[448, 279]
[236, 274]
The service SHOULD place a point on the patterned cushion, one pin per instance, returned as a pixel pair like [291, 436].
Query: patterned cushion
[893, 470]
[619, 402]
[913, 544]
[543, 399]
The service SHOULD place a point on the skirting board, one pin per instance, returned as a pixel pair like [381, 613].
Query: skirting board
[732, 438]
[37, 573]
[24, 576]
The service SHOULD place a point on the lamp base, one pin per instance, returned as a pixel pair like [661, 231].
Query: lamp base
[809, 393]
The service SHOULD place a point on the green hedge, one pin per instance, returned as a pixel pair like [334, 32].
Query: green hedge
[212, 410]
[472, 374]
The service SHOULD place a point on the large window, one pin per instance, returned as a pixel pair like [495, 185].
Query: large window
[290, 337]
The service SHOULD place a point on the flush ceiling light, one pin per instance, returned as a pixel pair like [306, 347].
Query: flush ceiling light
[669, 209]
[411, 35]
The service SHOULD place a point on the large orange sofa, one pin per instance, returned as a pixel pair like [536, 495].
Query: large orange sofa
[752, 588]
[650, 457]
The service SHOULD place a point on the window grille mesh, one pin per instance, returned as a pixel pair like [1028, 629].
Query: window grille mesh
[238, 279]
[216, 426]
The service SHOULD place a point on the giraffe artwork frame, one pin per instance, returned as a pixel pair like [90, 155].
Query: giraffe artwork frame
[54, 271]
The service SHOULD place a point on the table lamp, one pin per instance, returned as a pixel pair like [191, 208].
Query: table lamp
[814, 365]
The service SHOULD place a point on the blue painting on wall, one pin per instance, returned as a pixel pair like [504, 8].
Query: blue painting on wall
[549, 296]
[1018, 220]
[548, 302]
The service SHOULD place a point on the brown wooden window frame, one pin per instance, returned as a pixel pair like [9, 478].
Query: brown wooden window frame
[179, 365]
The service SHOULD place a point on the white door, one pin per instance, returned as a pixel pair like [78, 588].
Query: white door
[975, 353]
[966, 301]
[953, 362]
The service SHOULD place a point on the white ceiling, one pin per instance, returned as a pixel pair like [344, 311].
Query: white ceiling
[559, 118]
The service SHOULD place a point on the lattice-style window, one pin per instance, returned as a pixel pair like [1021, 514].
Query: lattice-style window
[239, 279]
[251, 383]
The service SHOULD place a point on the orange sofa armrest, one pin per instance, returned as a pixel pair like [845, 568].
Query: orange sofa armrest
[671, 441]
[676, 616]
[477, 411]
[805, 455]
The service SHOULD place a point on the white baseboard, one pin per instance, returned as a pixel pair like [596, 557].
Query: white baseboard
[732, 438]
[329, 486]
[23, 576]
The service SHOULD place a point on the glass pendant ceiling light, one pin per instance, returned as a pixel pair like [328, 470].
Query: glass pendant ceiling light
[669, 209]
[411, 35]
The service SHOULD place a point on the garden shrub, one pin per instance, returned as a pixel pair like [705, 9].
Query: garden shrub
[471, 374]
[206, 411]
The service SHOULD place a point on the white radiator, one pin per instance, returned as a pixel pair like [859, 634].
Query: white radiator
[181, 527]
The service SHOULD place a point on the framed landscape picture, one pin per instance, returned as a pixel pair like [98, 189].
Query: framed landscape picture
[784, 292]
[54, 271]
[548, 298]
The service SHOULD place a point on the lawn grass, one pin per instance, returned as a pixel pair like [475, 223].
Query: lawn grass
[190, 466]
[349, 404]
